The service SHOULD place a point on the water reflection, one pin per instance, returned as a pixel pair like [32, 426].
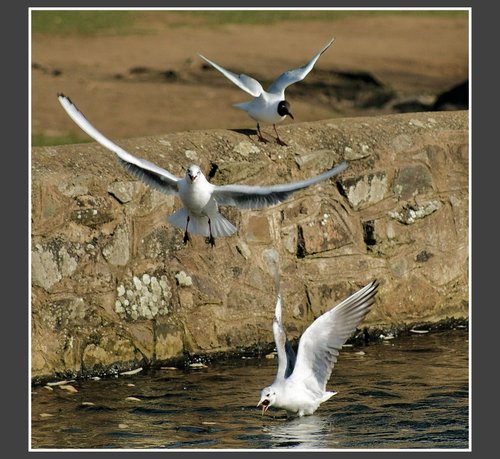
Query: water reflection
[308, 432]
[410, 393]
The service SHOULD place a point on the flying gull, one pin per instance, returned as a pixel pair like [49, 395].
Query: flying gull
[268, 106]
[201, 199]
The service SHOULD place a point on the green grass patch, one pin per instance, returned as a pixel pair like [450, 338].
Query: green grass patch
[270, 17]
[89, 22]
[82, 22]
[42, 140]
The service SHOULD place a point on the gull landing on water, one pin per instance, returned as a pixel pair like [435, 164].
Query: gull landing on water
[268, 106]
[201, 199]
[300, 383]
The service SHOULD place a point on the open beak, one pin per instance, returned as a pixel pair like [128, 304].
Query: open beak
[265, 405]
[192, 177]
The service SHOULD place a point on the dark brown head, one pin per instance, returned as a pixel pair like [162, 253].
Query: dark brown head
[284, 109]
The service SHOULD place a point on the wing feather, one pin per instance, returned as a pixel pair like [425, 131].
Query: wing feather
[320, 344]
[279, 85]
[254, 197]
[245, 82]
[146, 171]
[286, 355]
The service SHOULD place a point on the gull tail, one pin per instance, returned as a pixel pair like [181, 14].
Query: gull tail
[199, 224]
[221, 226]
[327, 396]
[243, 106]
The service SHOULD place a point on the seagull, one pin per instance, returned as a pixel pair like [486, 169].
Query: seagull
[201, 199]
[268, 106]
[300, 383]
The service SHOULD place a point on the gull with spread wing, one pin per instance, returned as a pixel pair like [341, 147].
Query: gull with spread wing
[268, 106]
[300, 383]
[201, 199]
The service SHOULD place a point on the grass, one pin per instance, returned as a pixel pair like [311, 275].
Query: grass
[42, 140]
[82, 22]
[95, 22]
[269, 17]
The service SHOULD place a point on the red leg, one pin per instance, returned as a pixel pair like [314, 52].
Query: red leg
[278, 137]
[261, 138]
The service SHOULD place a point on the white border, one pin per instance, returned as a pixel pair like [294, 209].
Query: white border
[372, 450]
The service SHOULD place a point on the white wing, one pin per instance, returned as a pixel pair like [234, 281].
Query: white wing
[254, 197]
[279, 85]
[286, 356]
[146, 171]
[245, 82]
[320, 344]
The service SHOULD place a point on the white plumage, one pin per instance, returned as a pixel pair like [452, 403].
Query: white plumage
[201, 199]
[268, 106]
[300, 383]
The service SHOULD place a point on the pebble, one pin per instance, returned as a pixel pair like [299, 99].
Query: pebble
[48, 388]
[168, 368]
[271, 355]
[88, 404]
[360, 353]
[46, 415]
[130, 385]
[419, 331]
[387, 337]
[131, 372]
[122, 426]
[60, 383]
[133, 399]
[197, 365]
[69, 388]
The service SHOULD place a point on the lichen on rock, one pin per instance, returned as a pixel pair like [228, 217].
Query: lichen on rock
[144, 298]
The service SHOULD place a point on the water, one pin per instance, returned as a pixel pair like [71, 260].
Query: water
[410, 392]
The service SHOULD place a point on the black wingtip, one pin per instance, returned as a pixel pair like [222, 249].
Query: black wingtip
[60, 94]
[375, 284]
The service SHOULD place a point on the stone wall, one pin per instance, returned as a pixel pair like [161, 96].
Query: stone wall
[113, 286]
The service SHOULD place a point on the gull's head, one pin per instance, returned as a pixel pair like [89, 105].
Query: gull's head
[267, 398]
[284, 109]
[192, 173]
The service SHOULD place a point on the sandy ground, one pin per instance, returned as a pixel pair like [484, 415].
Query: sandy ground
[147, 84]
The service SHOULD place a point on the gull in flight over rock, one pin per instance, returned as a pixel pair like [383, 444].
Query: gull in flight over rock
[268, 106]
[300, 383]
[201, 199]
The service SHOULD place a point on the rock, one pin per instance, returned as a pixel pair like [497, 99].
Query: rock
[69, 388]
[365, 190]
[105, 296]
[246, 148]
[410, 214]
[412, 180]
[183, 279]
[117, 252]
[123, 191]
[131, 372]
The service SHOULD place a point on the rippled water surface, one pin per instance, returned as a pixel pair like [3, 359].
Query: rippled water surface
[409, 392]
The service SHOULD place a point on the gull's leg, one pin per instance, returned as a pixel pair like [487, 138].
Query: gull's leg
[186, 234]
[211, 239]
[278, 137]
[261, 138]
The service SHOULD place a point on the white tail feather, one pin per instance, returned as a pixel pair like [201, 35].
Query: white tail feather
[199, 224]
